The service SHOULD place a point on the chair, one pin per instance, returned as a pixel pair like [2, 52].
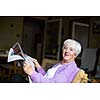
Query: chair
[98, 72]
[81, 77]
[97, 75]
[7, 70]
[89, 60]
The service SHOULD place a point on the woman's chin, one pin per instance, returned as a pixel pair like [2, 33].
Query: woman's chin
[66, 59]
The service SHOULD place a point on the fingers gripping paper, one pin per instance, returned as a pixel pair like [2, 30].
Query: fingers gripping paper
[16, 54]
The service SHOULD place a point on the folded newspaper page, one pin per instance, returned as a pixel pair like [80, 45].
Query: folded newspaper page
[16, 54]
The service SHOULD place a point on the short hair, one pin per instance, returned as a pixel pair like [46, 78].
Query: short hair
[74, 44]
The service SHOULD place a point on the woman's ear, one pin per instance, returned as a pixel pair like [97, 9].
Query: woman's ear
[75, 55]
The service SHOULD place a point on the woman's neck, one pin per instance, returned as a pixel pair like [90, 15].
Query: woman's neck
[66, 61]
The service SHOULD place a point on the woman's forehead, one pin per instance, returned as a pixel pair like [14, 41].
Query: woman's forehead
[69, 45]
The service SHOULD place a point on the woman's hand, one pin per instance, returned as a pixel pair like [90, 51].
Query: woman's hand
[37, 65]
[27, 68]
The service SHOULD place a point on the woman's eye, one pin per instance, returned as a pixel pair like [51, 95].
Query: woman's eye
[71, 49]
[65, 48]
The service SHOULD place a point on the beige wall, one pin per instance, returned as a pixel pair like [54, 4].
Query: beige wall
[10, 27]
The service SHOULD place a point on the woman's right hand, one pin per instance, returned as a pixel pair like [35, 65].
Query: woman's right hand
[28, 68]
[37, 65]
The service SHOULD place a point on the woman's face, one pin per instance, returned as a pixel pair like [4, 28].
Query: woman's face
[68, 54]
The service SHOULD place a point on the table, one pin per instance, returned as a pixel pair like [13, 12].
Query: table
[6, 66]
[11, 68]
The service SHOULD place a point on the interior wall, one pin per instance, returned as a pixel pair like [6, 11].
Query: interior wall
[11, 29]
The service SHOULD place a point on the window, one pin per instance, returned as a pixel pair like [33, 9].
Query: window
[52, 39]
[80, 33]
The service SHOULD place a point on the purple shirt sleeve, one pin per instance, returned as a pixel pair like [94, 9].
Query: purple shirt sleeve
[41, 70]
[64, 74]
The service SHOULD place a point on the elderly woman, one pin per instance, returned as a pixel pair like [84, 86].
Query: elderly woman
[63, 72]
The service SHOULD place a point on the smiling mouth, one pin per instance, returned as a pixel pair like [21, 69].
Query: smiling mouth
[66, 54]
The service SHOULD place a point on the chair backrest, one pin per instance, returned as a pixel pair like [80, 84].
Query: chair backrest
[89, 58]
[81, 77]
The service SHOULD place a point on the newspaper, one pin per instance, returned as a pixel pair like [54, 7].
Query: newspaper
[16, 54]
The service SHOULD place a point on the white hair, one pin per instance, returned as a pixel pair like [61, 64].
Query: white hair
[74, 44]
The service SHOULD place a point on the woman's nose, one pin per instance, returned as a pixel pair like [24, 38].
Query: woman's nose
[67, 50]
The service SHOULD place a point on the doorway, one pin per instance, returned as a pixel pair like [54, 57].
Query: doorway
[33, 37]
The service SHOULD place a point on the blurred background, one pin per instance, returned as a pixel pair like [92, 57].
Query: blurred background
[41, 37]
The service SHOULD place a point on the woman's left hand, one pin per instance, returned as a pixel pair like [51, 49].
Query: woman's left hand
[37, 65]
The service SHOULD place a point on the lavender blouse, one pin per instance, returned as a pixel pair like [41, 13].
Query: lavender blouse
[64, 74]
